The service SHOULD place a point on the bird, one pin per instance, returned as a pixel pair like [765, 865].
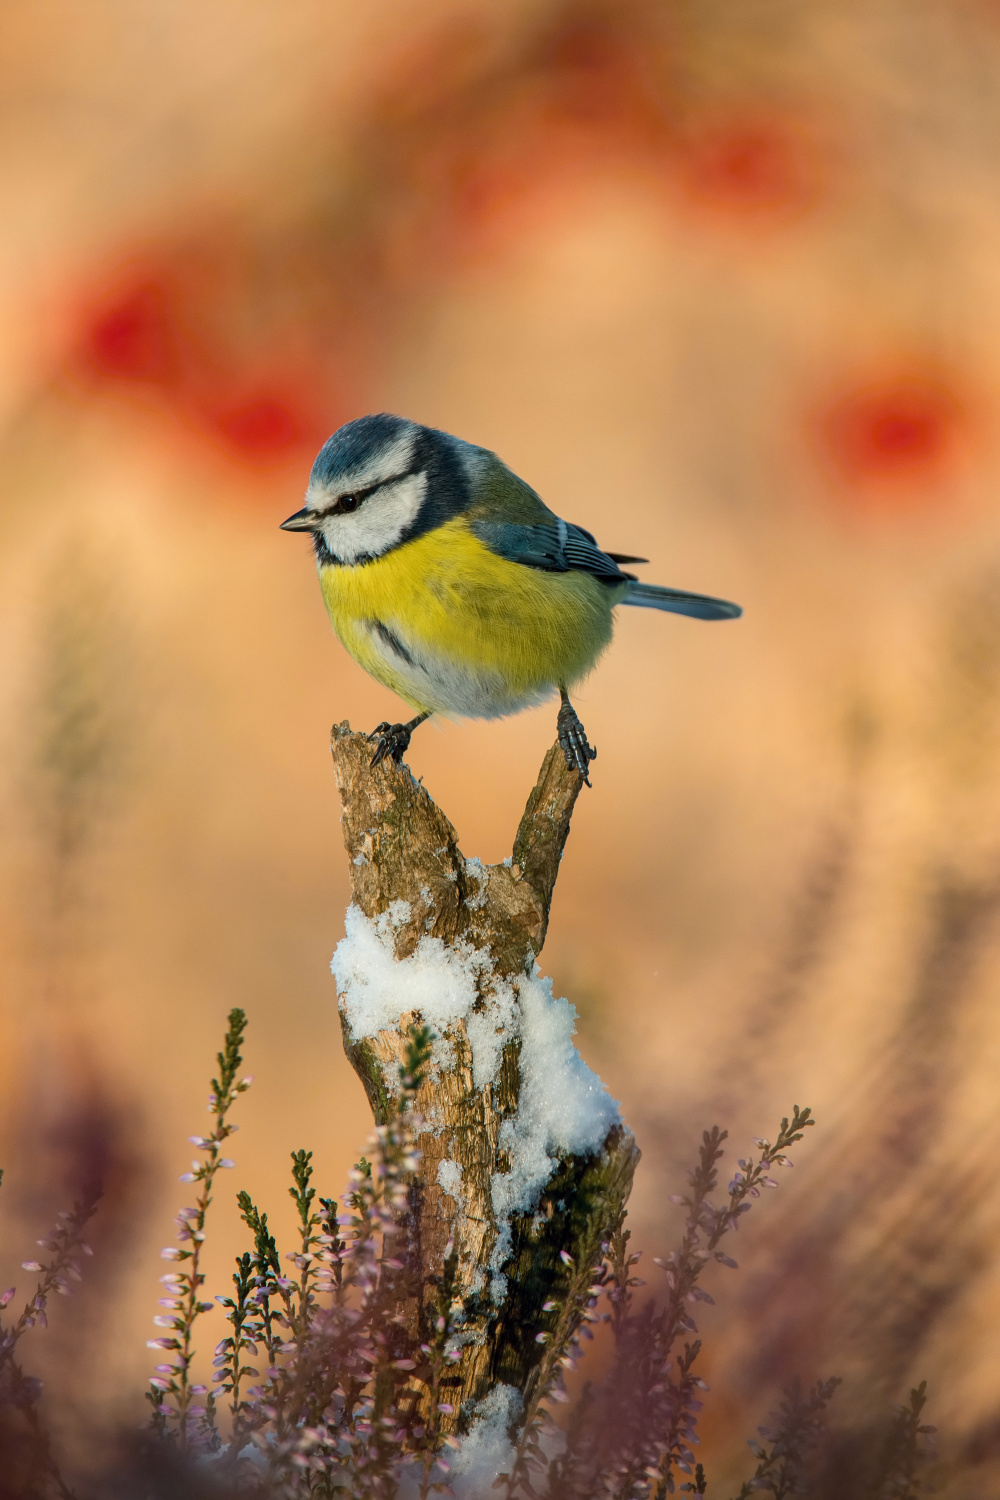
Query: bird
[451, 582]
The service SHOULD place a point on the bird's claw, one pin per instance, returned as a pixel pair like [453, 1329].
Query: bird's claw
[573, 740]
[393, 740]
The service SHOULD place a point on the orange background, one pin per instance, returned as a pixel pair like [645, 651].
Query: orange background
[721, 283]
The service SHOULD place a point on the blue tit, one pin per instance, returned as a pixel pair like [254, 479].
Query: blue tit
[450, 580]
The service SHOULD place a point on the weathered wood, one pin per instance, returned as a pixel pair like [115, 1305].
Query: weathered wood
[401, 847]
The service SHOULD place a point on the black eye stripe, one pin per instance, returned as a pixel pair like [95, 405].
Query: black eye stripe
[357, 497]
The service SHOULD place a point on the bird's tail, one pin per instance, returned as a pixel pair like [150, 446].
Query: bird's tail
[699, 606]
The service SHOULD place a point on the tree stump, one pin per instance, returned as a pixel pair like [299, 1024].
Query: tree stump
[503, 1176]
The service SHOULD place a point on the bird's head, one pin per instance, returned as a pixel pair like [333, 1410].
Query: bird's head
[378, 482]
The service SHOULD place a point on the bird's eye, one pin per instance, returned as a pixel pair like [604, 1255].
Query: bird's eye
[347, 503]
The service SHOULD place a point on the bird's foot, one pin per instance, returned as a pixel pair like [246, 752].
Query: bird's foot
[573, 739]
[393, 740]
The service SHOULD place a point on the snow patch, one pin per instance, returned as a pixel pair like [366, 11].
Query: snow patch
[489, 1031]
[486, 1449]
[450, 1178]
[376, 987]
[563, 1108]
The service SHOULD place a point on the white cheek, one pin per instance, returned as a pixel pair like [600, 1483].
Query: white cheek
[379, 523]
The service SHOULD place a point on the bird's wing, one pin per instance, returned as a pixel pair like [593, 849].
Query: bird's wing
[555, 547]
[558, 547]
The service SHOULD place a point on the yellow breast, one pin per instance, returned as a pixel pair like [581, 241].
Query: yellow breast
[455, 629]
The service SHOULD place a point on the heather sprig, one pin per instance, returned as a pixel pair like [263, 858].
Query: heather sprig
[646, 1413]
[698, 1484]
[439, 1355]
[572, 1470]
[328, 1412]
[620, 1281]
[67, 1247]
[797, 1427]
[706, 1226]
[240, 1310]
[175, 1415]
[303, 1193]
[17, 1389]
[575, 1311]
[268, 1282]
[905, 1451]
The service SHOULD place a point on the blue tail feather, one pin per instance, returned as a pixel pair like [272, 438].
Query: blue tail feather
[674, 601]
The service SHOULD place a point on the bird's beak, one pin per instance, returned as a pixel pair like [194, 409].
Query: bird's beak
[303, 520]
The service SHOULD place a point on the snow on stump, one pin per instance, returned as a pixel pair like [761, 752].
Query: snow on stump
[525, 1160]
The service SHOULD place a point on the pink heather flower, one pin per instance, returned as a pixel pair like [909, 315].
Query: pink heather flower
[169, 1253]
[7, 1296]
[31, 1265]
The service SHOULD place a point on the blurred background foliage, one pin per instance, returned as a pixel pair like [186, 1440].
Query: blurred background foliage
[721, 281]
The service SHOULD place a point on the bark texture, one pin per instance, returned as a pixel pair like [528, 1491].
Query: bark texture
[402, 847]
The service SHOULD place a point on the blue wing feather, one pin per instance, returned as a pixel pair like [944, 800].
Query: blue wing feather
[559, 547]
[555, 548]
